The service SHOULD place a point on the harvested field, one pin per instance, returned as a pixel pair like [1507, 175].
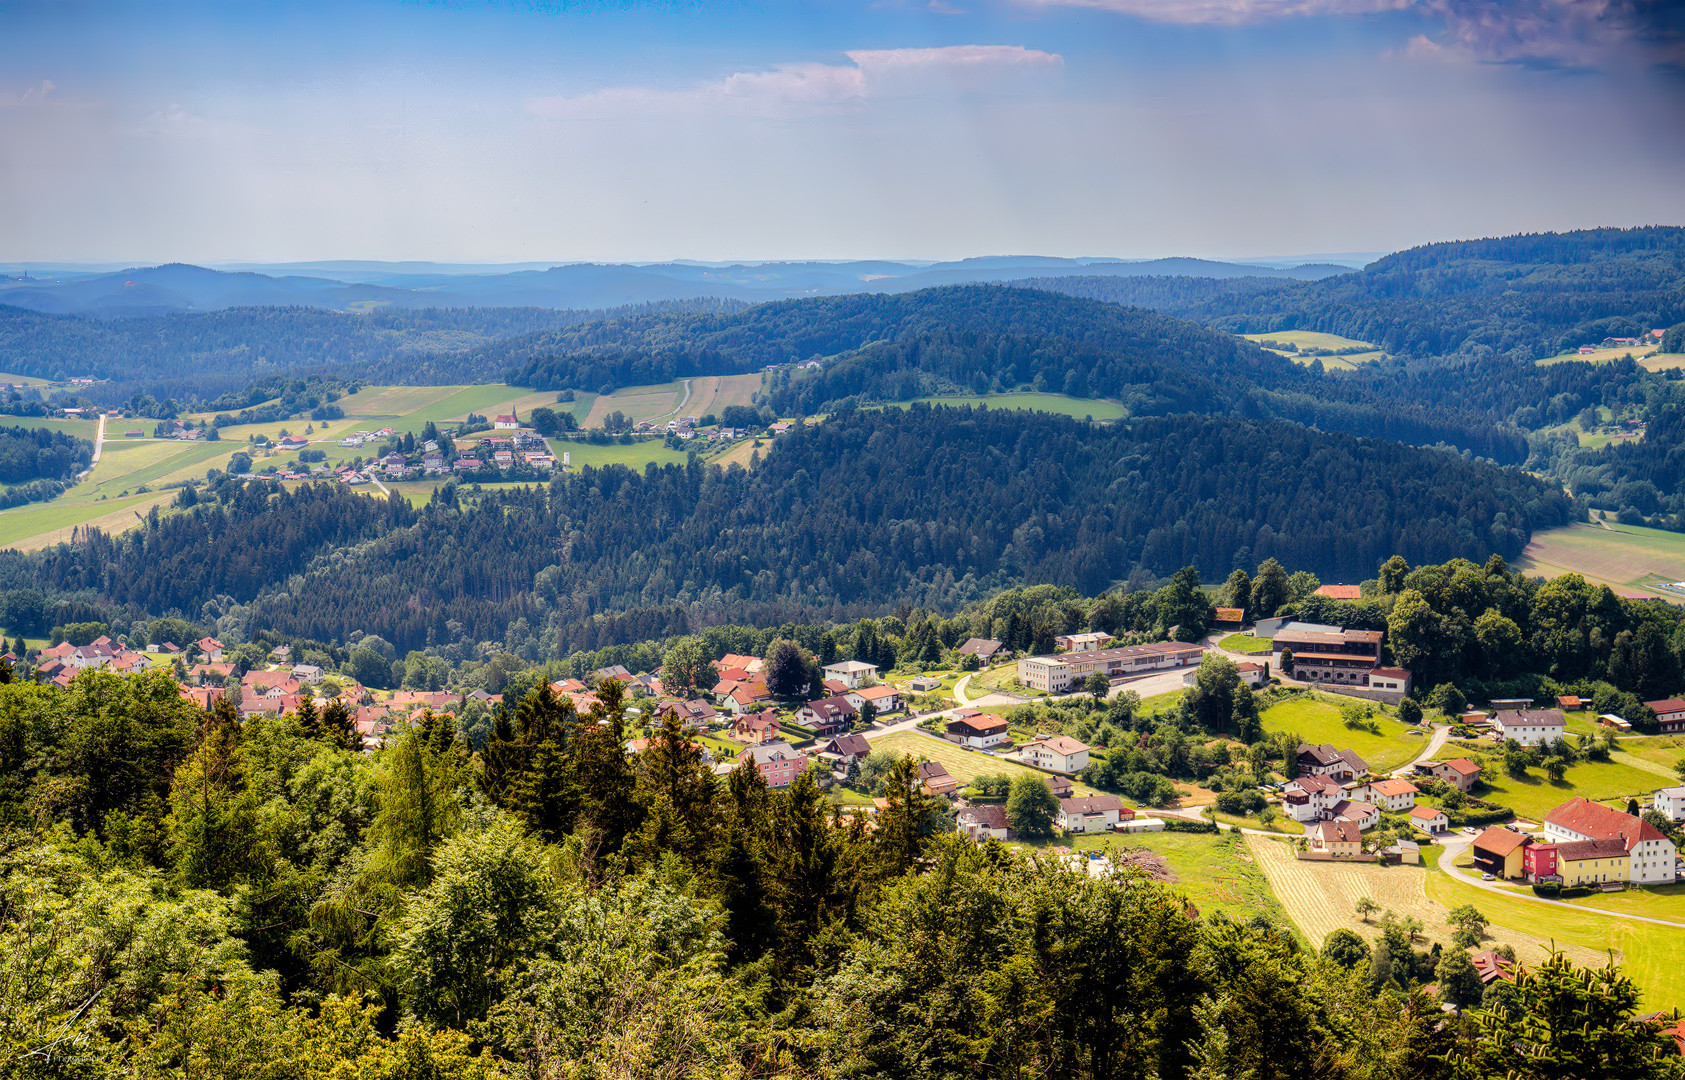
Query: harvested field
[1320, 897]
[712, 393]
[1619, 556]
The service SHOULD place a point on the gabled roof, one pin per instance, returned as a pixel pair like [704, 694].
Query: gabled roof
[985, 816]
[1340, 592]
[1338, 831]
[1090, 804]
[849, 745]
[1499, 840]
[1531, 718]
[1667, 705]
[1578, 850]
[984, 724]
[1463, 766]
[1599, 822]
[1393, 787]
[1064, 744]
[1426, 813]
[877, 693]
[1315, 783]
[981, 647]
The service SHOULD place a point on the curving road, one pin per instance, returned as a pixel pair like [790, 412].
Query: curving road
[1455, 845]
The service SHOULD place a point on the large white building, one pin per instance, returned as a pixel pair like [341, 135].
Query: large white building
[852, 673]
[1670, 802]
[1060, 754]
[1650, 854]
[1059, 673]
[1530, 727]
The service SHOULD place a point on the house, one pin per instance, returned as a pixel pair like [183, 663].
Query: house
[1392, 679]
[1670, 712]
[1497, 851]
[505, 423]
[1530, 727]
[1062, 788]
[985, 822]
[1081, 642]
[1538, 863]
[1340, 592]
[1060, 754]
[924, 684]
[1088, 813]
[936, 780]
[1336, 837]
[280, 654]
[1328, 760]
[827, 716]
[1364, 815]
[308, 674]
[210, 649]
[744, 696]
[1670, 803]
[1650, 855]
[1460, 773]
[1228, 616]
[848, 748]
[1569, 703]
[983, 649]
[691, 714]
[613, 671]
[1491, 965]
[203, 696]
[1429, 819]
[1057, 674]
[1610, 720]
[1592, 862]
[756, 728]
[503, 459]
[1396, 796]
[977, 730]
[1311, 798]
[778, 762]
[466, 464]
[749, 665]
[852, 673]
[884, 699]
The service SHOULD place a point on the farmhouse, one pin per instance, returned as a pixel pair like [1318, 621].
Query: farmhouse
[1530, 727]
[1057, 674]
[1460, 773]
[1395, 796]
[1364, 815]
[1592, 862]
[1081, 642]
[1060, 754]
[1670, 712]
[1090, 813]
[1336, 837]
[977, 730]
[1311, 798]
[1670, 802]
[1650, 855]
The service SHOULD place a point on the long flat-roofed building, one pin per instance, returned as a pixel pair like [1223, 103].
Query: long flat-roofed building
[1057, 674]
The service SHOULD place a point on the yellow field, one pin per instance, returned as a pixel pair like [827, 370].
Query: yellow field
[1320, 897]
[1646, 355]
[1627, 558]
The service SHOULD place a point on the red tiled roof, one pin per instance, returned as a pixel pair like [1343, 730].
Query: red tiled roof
[1667, 705]
[1341, 592]
[1463, 766]
[1499, 840]
[1597, 821]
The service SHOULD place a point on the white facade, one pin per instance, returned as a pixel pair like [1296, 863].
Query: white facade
[1060, 754]
[1650, 862]
[1093, 813]
[1670, 802]
[852, 673]
[1311, 798]
[1530, 727]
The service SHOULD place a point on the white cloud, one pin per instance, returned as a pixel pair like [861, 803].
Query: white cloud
[870, 73]
[1233, 12]
[36, 95]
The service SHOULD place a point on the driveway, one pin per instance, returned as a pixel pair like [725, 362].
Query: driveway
[1441, 732]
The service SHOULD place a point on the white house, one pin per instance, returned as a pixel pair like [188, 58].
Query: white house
[985, 822]
[1089, 813]
[1670, 802]
[505, 423]
[1311, 798]
[308, 674]
[977, 730]
[1394, 796]
[852, 673]
[1530, 727]
[1429, 819]
[1082, 642]
[1650, 854]
[1060, 754]
[1364, 815]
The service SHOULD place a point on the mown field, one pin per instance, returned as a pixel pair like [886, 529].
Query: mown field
[1627, 558]
[1321, 897]
[1315, 718]
[1315, 340]
[1644, 354]
[1217, 873]
[1091, 408]
[1245, 643]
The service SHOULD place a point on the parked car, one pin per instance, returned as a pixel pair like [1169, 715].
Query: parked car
[1487, 877]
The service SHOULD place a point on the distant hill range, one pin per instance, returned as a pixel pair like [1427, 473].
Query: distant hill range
[354, 286]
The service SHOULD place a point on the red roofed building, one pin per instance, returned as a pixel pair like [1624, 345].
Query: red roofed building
[1671, 714]
[1340, 592]
[1650, 855]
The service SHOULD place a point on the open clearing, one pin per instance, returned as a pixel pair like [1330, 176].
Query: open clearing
[714, 393]
[44, 524]
[1646, 355]
[1093, 408]
[1218, 873]
[1627, 558]
[1649, 953]
[1245, 643]
[1315, 718]
[1321, 897]
[1312, 339]
[640, 403]
[963, 765]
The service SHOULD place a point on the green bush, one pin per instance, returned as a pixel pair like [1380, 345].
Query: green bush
[1548, 889]
[1184, 825]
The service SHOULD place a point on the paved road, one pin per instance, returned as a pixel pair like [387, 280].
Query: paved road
[1441, 732]
[1457, 843]
[99, 444]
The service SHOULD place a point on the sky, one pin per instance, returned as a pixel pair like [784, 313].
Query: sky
[171, 130]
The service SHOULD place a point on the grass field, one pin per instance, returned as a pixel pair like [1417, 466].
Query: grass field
[1321, 897]
[1316, 719]
[1646, 355]
[713, 393]
[1048, 403]
[1627, 558]
[1218, 873]
[640, 403]
[962, 765]
[44, 524]
[1245, 643]
[1649, 953]
[1316, 340]
[81, 429]
[1536, 796]
[1662, 751]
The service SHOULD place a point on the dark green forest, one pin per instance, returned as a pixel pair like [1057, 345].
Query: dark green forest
[927, 506]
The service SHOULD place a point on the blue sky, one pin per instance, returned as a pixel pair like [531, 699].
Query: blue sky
[211, 132]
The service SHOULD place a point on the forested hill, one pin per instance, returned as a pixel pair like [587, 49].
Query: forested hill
[1527, 296]
[872, 508]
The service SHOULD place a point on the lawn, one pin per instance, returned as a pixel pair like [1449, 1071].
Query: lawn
[636, 454]
[1663, 750]
[1649, 953]
[1536, 796]
[125, 466]
[1245, 643]
[1620, 556]
[1092, 408]
[1217, 873]
[1316, 719]
[962, 765]
[44, 524]
[81, 429]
